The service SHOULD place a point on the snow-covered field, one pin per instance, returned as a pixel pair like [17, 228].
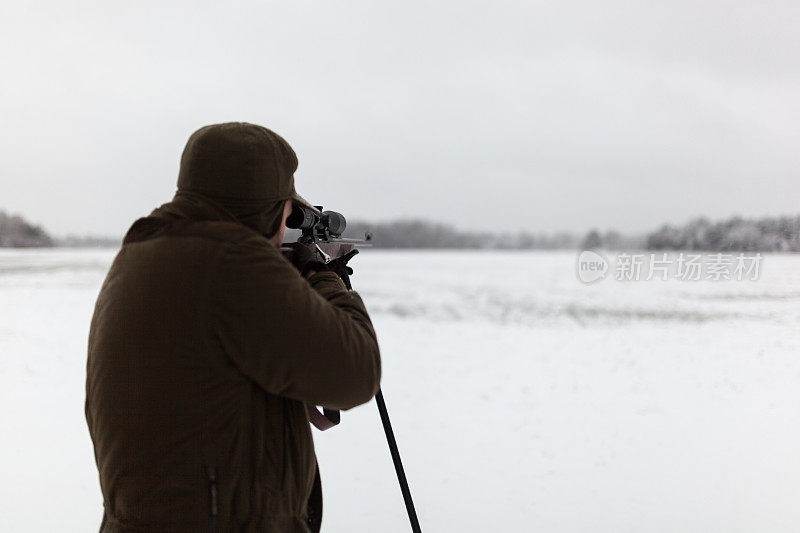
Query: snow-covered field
[522, 399]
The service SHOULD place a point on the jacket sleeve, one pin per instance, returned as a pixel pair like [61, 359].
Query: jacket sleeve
[309, 340]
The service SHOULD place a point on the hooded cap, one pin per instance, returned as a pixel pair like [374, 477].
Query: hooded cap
[245, 168]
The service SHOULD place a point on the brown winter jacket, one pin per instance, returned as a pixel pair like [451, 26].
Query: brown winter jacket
[204, 344]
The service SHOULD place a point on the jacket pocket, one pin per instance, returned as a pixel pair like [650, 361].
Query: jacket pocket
[213, 499]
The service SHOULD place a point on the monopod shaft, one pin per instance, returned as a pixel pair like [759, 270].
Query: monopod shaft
[398, 464]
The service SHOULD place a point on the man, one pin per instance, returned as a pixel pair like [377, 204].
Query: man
[206, 344]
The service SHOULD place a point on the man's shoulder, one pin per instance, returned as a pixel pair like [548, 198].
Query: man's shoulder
[223, 246]
[150, 228]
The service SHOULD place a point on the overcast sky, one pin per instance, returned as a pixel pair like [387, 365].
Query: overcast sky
[533, 115]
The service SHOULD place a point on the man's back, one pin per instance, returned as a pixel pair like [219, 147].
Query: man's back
[204, 346]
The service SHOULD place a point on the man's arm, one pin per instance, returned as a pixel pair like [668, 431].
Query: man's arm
[310, 340]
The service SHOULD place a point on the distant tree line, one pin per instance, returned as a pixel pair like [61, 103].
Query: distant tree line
[426, 234]
[612, 240]
[736, 234]
[88, 241]
[16, 232]
[781, 234]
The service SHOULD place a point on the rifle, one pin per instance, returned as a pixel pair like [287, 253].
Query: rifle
[323, 230]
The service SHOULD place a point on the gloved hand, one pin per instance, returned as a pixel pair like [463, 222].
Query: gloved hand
[338, 265]
[298, 255]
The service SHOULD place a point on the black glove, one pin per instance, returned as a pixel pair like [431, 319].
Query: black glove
[298, 254]
[337, 266]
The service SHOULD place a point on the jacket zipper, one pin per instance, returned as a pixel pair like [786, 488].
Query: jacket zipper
[212, 488]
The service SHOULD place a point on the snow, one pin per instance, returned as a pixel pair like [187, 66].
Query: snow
[521, 398]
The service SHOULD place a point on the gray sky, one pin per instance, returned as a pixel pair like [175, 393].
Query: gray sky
[537, 115]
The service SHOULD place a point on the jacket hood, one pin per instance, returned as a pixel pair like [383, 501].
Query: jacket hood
[237, 160]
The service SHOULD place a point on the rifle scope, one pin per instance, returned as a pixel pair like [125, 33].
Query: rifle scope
[328, 223]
